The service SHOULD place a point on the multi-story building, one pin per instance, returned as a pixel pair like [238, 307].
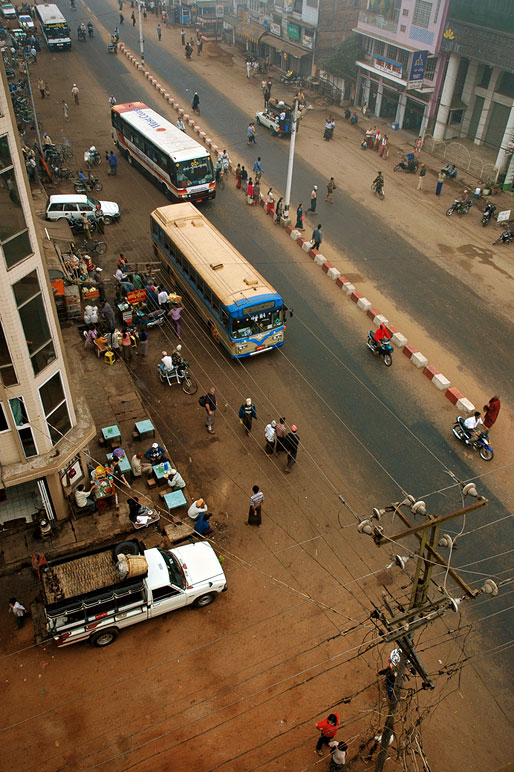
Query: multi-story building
[400, 73]
[477, 100]
[41, 431]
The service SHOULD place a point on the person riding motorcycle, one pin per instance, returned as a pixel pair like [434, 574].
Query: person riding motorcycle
[381, 334]
[378, 183]
[90, 28]
[471, 425]
[217, 170]
[188, 51]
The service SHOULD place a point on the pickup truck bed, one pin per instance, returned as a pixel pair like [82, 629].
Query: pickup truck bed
[79, 576]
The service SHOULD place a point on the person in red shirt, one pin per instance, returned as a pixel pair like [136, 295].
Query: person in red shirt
[381, 333]
[491, 411]
[328, 728]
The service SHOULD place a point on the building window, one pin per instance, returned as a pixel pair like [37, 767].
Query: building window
[437, 9]
[7, 371]
[484, 75]
[4, 424]
[312, 3]
[379, 48]
[430, 68]
[55, 408]
[422, 13]
[14, 235]
[398, 55]
[33, 319]
[21, 420]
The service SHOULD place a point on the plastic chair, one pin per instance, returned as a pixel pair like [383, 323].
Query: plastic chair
[109, 358]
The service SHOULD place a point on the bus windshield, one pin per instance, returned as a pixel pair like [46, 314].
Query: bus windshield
[60, 31]
[198, 171]
[252, 325]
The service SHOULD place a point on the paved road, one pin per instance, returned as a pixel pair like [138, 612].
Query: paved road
[335, 372]
[449, 310]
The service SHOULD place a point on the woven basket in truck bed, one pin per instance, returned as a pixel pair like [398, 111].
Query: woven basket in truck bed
[80, 576]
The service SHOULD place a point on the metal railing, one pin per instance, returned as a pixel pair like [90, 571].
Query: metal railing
[373, 19]
[456, 153]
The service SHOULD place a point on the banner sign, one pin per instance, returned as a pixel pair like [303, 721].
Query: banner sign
[136, 296]
[418, 67]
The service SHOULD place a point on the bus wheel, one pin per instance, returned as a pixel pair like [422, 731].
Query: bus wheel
[130, 159]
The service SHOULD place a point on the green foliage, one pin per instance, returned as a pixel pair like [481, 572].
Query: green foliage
[342, 61]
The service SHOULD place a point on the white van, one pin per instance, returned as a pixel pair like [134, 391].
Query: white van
[72, 207]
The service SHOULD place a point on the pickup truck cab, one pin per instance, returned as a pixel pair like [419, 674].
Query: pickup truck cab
[85, 598]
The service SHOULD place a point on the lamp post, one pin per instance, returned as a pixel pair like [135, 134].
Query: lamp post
[141, 40]
[289, 180]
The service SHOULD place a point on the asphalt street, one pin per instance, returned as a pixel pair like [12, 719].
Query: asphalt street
[375, 411]
[449, 311]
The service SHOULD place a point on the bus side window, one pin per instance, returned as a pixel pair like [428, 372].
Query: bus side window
[208, 295]
[167, 245]
[172, 171]
[216, 304]
[224, 318]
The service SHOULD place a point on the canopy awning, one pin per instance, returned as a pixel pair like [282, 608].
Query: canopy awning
[284, 46]
[250, 31]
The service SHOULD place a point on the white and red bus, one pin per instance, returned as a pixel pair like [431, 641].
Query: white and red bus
[176, 162]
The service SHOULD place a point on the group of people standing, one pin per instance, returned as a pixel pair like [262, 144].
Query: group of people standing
[374, 139]
[280, 440]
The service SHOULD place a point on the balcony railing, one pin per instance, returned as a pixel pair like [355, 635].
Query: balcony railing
[373, 19]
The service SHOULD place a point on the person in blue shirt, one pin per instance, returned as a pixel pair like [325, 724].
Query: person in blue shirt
[156, 454]
[202, 525]
[257, 168]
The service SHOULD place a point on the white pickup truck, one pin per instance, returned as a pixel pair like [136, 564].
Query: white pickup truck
[85, 598]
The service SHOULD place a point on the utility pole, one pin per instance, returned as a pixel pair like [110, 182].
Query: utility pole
[421, 610]
[141, 40]
[296, 118]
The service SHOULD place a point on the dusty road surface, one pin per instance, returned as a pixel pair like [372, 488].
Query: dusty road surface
[240, 685]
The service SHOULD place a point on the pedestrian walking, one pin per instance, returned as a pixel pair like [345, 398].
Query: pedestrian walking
[18, 611]
[247, 413]
[327, 729]
[122, 18]
[257, 169]
[314, 199]
[175, 318]
[143, 343]
[126, 345]
[33, 54]
[421, 176]
[183, 37]
[337, 755]
[291, 442]
[113, 164]
[159, 31]
[244, 177]
[195, 104]
[41, 87]
[266, 99]
[317, 236]
[199, 46]
[440, 179]
[248, 68]
[299, 217]
[331, 186]
[108, 315]
[281, 431]
[491, 411]
[65, 111]
[279, 209]
[271, 437]
[209, 403]
[251, 134]
[270, 202]
[238, 176]
[75, 93]
[133, 17]
[254, 513]
[112, 101]
[384, 147]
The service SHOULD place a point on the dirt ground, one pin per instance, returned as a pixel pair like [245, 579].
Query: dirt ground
[239, 686]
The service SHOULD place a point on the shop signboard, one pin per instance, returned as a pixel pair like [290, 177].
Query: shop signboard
[388, 66]
[307, 41]
[293, 31]
[275, 29]
[220, 11]
[418, 66]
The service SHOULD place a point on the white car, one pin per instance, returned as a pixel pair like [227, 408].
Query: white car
[270, 119]
[26, 23]
[8, 11]
[72, 206]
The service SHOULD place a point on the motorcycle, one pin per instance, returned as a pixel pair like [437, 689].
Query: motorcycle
[506, 237]
[149, 319]
[383, 349]
[179, 374]
[480, 443]
[188, 51]
[77, 226]
[90, 29]
[378, 188]
[488, 213]
[408, 165]
[81, 34]
[87, 185]
[461, 207]
[92, 157]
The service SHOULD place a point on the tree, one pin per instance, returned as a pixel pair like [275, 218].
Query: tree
[342, 63]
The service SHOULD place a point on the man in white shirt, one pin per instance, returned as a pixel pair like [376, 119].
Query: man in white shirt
[338, 754]
[197, 508]
[271, 437]
[175, 480]
[82, 499]
[472, 423]
[120, 275]
[163, 297]
[180, 125]
[166, 361]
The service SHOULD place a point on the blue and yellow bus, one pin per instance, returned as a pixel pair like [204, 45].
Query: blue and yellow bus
[242, 310]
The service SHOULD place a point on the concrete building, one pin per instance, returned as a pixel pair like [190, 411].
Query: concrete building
[337, 19]
[477, 99]
[401, 71]
[42, 433]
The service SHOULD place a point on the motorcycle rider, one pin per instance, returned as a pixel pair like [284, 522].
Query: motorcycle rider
[188, 51]
[471, 424]
[381, 334]
[378, 183]
[90, 28]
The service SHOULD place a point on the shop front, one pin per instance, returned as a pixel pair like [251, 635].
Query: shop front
[392, 102]
[286, 56]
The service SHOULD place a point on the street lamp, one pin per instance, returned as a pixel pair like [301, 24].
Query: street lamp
[141, 41]
[296, 119]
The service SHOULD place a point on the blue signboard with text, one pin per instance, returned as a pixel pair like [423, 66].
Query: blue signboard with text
[418, 67]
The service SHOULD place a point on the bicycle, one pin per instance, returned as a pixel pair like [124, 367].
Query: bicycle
[98, 247]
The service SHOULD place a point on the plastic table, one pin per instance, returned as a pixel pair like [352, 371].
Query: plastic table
[111, 432]
[145, 428]
[174, 499]
[123, 462]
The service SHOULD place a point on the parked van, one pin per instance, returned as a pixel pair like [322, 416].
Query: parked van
[72, 207]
